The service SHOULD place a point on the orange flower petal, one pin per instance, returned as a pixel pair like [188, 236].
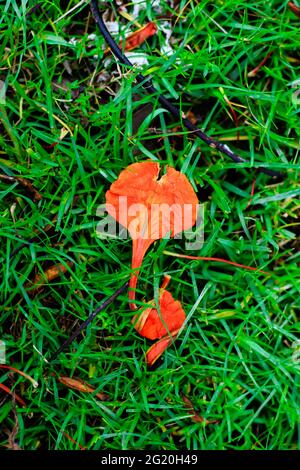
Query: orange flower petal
[13, 394]
[132, 41]
[153, 325]
[158, 348]
[150, 207]
[139, 36]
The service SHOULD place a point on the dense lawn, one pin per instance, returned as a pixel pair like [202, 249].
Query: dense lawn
[71, 120]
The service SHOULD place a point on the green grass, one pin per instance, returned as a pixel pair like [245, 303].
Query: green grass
[237, 359]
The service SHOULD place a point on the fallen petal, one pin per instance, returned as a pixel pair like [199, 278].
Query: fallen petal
[48, 275]
[194, 414]
[294, 9]
[154, 325]
[13, 394]
[13, 369]
[139, 36]
[158, 348]
[135, 39]
[150, 207]
[81, 386]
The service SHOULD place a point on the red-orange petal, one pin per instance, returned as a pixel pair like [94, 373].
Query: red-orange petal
[156, 350]
[151, 207]
[170, 319]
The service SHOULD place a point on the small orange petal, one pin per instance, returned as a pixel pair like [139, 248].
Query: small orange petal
[81, 386]
[132, 41]
[171, 318]
[156, 350]
[139, 36]
[13, 394]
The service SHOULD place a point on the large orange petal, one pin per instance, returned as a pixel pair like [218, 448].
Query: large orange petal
[150, 208]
